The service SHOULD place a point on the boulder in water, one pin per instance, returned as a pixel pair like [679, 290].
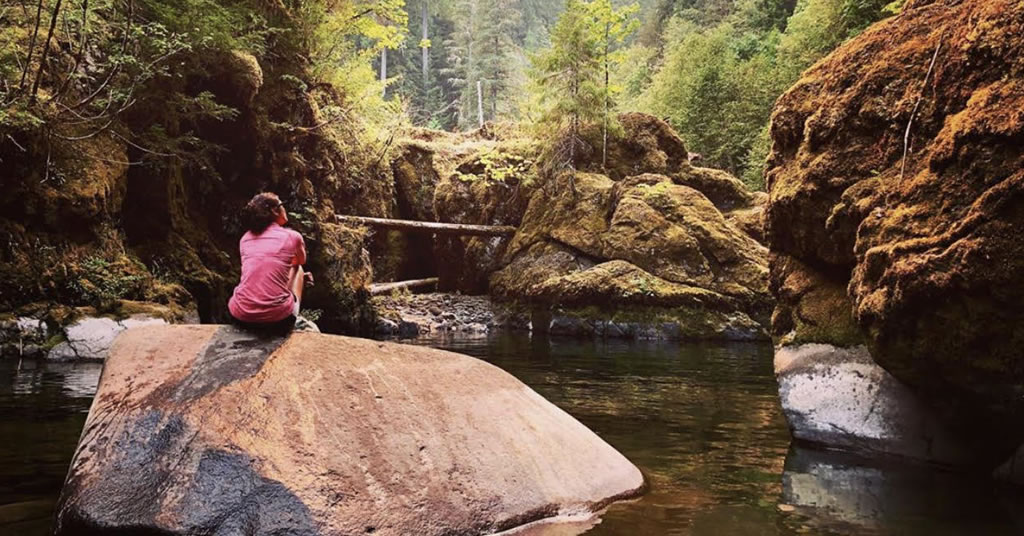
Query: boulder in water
[839, 397]
[211, 430]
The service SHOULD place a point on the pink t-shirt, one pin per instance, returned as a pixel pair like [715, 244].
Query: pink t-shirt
[263, 295]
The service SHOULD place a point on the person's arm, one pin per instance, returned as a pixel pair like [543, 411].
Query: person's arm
[300, 251]
[300, 258]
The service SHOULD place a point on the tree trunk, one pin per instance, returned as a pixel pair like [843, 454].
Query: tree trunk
[425, 20]
[384, 72]
[604, 142]
[430, 226]
[46, 50]
[31, 44]
[479, 103]
[494, 83]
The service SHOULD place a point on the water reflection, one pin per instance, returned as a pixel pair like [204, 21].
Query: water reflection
[42, 410]
[873, 497]
[701, 421]
[704, 425]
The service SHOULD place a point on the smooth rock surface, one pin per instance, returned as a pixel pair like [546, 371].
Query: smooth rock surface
[210, 430]
[90, 338]
[839, 397]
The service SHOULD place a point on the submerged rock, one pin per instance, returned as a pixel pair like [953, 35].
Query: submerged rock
[210, 430]
[912, 249]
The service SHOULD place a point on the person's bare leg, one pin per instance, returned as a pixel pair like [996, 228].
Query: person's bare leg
[297, 282]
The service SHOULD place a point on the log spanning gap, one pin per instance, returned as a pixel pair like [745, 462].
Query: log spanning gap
[384, 288]
[430, 226]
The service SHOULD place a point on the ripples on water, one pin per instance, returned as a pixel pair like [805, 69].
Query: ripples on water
[701, 421]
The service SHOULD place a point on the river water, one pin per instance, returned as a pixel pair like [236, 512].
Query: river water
[701, 421]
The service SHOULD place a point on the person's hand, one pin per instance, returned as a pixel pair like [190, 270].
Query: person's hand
[309, 278]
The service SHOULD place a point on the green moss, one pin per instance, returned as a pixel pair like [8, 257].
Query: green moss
[824, 315]
[53, 341]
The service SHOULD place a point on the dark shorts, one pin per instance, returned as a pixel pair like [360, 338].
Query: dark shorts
[281, 327]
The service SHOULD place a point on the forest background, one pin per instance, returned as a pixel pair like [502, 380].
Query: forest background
[711, 68]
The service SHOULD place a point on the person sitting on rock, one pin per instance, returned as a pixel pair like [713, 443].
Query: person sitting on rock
[269, 293]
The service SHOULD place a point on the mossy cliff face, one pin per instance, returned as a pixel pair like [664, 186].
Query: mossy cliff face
[87, 228]
[918, 244]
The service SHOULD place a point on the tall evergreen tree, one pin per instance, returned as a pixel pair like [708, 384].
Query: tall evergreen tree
[570, 78]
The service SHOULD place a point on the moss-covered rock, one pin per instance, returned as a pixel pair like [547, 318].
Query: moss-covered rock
[643, 241]
[923, 238]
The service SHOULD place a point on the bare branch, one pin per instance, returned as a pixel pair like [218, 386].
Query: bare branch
[81, 49]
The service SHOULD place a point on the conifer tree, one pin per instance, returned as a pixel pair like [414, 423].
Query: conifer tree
[574, 73]
[481, 49]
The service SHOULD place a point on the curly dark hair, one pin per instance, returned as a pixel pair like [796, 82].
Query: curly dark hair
[260, 212]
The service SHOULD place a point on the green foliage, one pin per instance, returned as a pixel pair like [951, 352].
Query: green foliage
[109, 59]
[312, 315]
[757, 160]
[499, 166]
[102, 283]
[482, 49]
[721, 73]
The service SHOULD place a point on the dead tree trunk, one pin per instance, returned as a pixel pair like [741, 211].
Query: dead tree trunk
[383, 72]
[46, 50]
[424, 22]
[31, 44]
[479, 104]
[377, 289]
[430, 226]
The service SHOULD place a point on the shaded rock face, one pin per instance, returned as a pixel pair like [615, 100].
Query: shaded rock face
[925, 248]
[474, 195]
[648, 246]
[89, 230]
[482, 177]
[204, 430]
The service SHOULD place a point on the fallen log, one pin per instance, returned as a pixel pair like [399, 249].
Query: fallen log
[430, 226]
[384, 288]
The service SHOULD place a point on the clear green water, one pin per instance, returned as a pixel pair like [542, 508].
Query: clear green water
[701, 421]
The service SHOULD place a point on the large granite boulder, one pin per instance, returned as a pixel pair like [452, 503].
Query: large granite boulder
[896, 179]
[647, 248]
[211, 430]
[839, 397]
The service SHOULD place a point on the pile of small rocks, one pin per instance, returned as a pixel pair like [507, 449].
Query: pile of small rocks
[413, 315]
